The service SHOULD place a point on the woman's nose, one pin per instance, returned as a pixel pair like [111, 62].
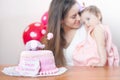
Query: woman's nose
[78, 17]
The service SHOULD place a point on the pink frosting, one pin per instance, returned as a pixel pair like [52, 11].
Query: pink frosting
[37, 62]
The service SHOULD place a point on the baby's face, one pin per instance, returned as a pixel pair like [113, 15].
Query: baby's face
[89, 20]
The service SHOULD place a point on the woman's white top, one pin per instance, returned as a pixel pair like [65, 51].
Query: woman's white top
[79, 36]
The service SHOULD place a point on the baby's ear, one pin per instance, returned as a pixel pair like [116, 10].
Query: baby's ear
[83, 4]
[100, 17]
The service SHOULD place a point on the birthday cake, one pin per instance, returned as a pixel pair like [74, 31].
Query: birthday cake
[39, 62]
[36, 61]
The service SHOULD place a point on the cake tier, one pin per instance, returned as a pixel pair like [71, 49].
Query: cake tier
[37, 62]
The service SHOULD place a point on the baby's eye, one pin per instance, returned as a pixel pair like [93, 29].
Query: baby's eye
[88, 19]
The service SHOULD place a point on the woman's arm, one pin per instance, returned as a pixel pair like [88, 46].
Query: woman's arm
[99, 37]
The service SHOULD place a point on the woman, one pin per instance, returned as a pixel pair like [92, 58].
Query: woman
[64, 23]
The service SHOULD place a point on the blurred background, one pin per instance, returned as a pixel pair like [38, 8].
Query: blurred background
[16, 15]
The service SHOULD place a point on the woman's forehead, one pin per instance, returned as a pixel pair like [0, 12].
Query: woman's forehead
[74, 9]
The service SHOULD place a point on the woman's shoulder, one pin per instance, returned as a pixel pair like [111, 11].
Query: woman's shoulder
[82, 29]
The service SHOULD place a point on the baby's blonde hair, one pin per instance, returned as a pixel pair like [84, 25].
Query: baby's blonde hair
[94, 10]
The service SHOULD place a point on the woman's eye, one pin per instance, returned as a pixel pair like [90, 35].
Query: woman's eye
[74, 16]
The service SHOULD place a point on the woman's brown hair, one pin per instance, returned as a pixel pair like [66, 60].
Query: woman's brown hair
[57, 12]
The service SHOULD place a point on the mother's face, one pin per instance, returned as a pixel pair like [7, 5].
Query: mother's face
[72, 19]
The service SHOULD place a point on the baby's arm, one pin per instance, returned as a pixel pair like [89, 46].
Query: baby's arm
[100, 41]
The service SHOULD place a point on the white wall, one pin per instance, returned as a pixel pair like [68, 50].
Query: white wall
[15, 15]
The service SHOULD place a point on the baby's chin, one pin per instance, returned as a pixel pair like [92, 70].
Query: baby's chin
[89, 28]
